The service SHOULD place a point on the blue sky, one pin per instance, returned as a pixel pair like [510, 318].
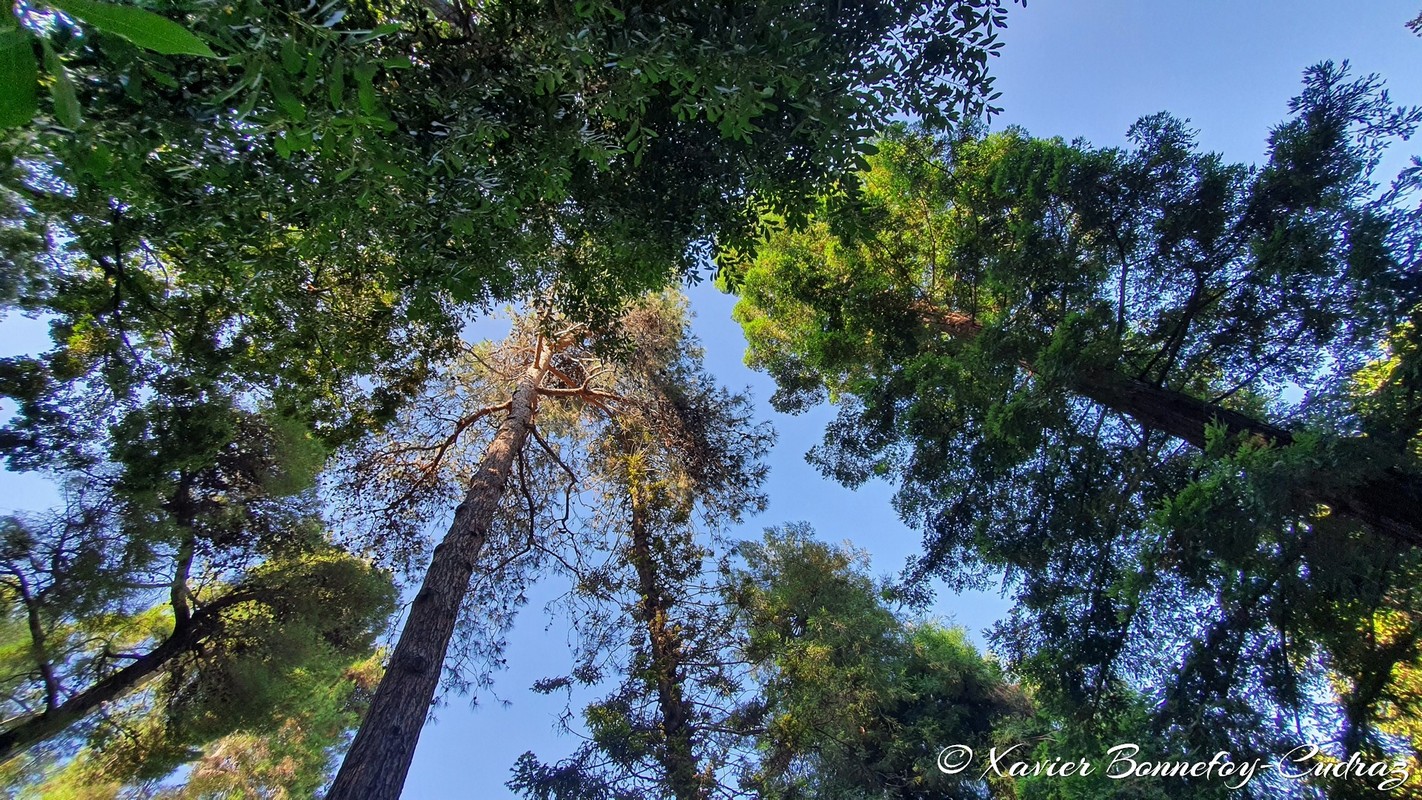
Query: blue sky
[1087, 68]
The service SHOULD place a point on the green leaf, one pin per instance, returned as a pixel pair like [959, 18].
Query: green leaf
[290, 57]
[365, 90]
[162, 78]
[66, 100]
[17, 78]
[291, 106]
[336, 83]
[143, 28]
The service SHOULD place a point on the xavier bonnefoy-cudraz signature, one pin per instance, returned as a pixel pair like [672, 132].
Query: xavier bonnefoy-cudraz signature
[1124, 761]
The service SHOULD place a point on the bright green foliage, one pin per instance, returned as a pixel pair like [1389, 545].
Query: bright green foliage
[285, 757]
[855, 702]
[187, 588]
[279, 667]
[294, 761]
[144, 29]
[976, 312]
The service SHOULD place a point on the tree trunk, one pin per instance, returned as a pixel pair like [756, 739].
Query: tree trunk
[1389, 503]
[186, 633]
[379, 758]
[679, 758]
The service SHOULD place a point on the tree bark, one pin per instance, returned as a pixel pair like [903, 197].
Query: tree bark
[1390, 503]
[379, 758]
[679, 758]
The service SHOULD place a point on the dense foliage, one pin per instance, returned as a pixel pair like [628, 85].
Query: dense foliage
[1173, 401]
[1083, 367]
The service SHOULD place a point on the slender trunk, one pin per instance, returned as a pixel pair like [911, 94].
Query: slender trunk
[1389, 503]
[679, 758]
[53, 721]
[375, 766]
[38, 645]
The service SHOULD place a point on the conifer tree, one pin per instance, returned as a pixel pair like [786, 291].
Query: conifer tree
[1079, 365]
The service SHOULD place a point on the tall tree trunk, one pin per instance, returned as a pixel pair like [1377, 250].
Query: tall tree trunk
[1390, 503]
[379, 758]
[679, 758]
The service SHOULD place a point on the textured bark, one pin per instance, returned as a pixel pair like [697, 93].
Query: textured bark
[1172, 412]
[379, 758]
[1390, 504]
[679, 758]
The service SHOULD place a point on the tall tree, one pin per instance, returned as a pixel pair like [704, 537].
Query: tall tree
[379, 757]
[549, 369]
[1151, 269]
[184, 584]
[679, 461]
[1078, 364]
[855, 701]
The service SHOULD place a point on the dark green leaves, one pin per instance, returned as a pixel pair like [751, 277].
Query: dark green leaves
[66, 102]
[17, 78]
[19, 72]
[143, 28]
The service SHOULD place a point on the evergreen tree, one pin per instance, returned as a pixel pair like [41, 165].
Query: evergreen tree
[855, 701]
[1078, 364]
[679, 462]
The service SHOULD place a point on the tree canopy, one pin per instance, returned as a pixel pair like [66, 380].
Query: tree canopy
[1083, 367]
[1169, 400]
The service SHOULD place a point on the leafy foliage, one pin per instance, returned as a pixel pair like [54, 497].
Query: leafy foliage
[1026, 334]
[856, 703]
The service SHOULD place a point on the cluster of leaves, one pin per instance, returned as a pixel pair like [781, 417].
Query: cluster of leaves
[1031, 336]
[20, 72]
[254, 228]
